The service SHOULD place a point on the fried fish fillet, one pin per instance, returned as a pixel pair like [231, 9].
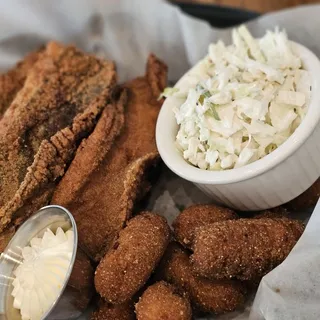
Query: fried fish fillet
[244, 249]
[13, 80]
[162, 301]
[6, 236]
[214, 296]
[103, 182]
[63, 95]
[129, 264]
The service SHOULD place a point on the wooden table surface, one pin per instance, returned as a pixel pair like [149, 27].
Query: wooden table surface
[256, 5]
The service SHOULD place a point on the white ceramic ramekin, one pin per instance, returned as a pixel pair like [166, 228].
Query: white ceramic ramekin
[269, 182]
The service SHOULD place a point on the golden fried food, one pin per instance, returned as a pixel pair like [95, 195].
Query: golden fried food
[196, 216]
[5, 237]
[244, 249]
[214, 296]
[107, 311]
[307, 199]
[59, 104]
[81, 281]
[133, 257]
[162, 301]
[13, 80]
[278, 212]
[103, 183]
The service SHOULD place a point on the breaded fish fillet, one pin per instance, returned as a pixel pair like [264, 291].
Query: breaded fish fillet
[62, 97]
[107, 311]
[6, 236]
[244, 249]
[196, 216]
[103, 183]
[128, 265]
[13, 80]
[162, 301]
[214, 296]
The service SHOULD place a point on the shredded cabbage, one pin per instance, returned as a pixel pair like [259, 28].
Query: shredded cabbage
[167, 92]
[247, 99]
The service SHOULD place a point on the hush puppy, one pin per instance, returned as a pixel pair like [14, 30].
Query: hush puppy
[244, 249]
[162, 301]
[196, 216]
[214, 296]
[278, 212]
[133, 257]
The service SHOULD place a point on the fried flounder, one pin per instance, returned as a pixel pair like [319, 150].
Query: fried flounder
[103, 182]
[62, 97]
[13, 80]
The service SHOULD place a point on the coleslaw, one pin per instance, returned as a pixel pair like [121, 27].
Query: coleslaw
[249, 99]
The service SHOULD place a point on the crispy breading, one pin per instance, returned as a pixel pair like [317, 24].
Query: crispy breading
[244, 249]
[103, 185]
[277, 212]
[196, 216]
[5, 237]
[214, 296]
[306, 200]
[13, 80]
[107, 311]
[63, 95]
[162, 301]
[81, 281]
[31, 206]
[92, 151]
[129, 263]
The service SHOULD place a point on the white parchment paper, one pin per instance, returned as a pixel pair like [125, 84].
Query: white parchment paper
[126, 31]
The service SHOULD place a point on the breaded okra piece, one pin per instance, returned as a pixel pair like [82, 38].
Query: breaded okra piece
[244, 249]
[196, 216]
[129, 264]
[162, 301]
[214, 296]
